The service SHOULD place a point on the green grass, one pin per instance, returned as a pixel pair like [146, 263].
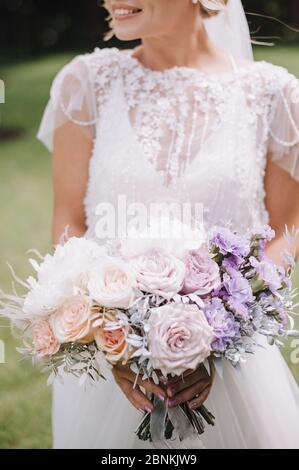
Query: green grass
[25, 195]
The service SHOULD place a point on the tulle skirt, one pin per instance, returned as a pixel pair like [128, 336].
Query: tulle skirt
[256, 407]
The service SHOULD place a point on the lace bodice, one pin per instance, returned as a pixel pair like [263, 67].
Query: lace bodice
[179, 135]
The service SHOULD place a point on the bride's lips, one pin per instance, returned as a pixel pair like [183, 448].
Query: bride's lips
[124, 11]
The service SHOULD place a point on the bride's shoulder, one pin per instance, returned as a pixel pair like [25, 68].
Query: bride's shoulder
[273, 76]
[107, 57]
[104, 62]
[89, 73]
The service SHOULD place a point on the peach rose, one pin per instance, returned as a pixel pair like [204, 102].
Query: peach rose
[44, 341]
[73, 320]
[112, 340]
[179, 338]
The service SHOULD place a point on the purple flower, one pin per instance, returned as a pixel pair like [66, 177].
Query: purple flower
[238, 292]
[202, 273]
[229, 243]
[225, 327]
[232, 261]
[266, 234]
[267, 271]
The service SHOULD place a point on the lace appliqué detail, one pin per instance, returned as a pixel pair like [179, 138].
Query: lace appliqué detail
[183, 115]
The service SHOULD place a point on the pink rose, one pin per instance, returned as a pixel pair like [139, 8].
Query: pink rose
[73, 320]
[112, 340]
[44, 341]
[159, 273]
[202, 273]
[179, 338]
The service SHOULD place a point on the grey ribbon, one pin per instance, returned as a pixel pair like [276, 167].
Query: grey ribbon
[158, 416]
[178, 418]
[181, 423]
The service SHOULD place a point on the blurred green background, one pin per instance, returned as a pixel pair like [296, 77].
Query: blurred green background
[25, 195]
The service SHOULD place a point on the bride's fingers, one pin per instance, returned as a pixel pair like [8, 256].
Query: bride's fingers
[179, 378]
[198, 401]
[121, 372]
[153, 388]
[201, 373]
[148, 384]
[189, 393]
[135, 396]
[212, 368]
[177, 387]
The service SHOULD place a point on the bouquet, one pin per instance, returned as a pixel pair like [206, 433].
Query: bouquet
[159, 310]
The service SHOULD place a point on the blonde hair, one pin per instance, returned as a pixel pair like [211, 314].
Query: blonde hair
[208, 8]
[212, 7]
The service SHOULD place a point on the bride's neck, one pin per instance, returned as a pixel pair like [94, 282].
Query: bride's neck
[180, 49]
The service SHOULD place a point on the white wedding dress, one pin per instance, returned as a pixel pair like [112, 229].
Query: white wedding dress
[175, 136]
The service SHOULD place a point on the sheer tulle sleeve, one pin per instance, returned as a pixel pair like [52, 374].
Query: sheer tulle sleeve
[284, 131]
[72, 99]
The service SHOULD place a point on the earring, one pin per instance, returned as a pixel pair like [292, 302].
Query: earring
[195, 2]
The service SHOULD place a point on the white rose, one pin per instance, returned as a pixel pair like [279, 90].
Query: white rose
[111, 284]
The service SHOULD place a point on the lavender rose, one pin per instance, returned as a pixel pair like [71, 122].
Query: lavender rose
[202, 273]
[179, 338]
[225, 327]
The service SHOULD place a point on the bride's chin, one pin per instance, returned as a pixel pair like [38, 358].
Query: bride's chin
[126, 34]
[129, 29]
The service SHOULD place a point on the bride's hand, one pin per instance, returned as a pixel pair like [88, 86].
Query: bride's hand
[125, 378]
[194, 388]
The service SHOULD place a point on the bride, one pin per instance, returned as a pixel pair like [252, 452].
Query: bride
[187, 115]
